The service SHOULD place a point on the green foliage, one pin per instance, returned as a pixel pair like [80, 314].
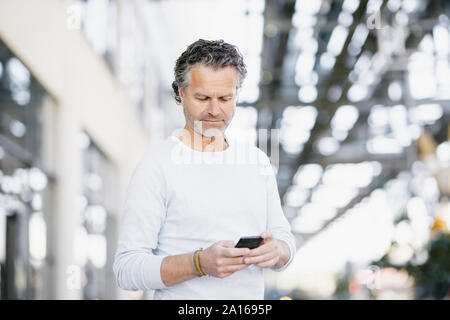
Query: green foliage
[437, 268]
[432, 278]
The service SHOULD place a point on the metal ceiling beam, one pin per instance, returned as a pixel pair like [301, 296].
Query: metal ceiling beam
[302, 239]
[275, 44]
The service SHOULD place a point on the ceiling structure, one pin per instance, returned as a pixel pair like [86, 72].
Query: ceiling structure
[318, 56]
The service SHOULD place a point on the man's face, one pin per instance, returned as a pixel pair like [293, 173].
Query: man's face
[209, 100]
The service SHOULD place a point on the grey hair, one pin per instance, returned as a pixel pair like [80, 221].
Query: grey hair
[216, 54]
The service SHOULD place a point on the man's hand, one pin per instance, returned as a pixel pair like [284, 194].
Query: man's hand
[222, 259]
[271, 253]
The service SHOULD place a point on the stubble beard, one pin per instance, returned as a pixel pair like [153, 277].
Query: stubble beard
[198, 127]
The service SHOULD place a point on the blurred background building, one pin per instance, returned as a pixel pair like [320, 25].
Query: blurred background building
[349, 98]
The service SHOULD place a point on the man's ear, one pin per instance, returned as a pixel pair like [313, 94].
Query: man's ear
[181, 94]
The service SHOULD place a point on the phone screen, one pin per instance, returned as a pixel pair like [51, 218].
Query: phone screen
[249, 242]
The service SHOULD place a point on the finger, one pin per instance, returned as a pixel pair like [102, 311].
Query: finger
[235, 268]
[262, 249]
[267, 264]
[267, 237]
[224, 275]
[266, 234]
[235, 252]
[261, 258]
[226, 243]
[233, 261]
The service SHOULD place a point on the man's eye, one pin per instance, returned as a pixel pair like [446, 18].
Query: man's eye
[202, 99]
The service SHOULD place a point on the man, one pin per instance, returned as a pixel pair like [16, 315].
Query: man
[183, 197]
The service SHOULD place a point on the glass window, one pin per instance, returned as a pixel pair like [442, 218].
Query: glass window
[24, 184]
[100, 183]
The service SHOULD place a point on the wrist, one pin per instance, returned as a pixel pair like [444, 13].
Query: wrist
[283, 255]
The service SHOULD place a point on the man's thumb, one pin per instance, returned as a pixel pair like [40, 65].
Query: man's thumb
[227, 243]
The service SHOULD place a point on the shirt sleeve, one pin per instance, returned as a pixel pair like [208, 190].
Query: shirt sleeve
[135, 265]
[277, 223]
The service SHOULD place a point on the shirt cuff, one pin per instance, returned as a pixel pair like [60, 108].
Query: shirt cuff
[152, 272]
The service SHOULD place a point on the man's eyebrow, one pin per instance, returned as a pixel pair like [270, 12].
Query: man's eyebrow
[200, 95]
[204, 95]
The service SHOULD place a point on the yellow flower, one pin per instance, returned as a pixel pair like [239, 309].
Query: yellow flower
[439, 225]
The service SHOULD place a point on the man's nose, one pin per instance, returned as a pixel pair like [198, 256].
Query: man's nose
[213, 107]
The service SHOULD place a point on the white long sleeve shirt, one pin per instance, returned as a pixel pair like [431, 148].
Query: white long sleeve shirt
[180, 200]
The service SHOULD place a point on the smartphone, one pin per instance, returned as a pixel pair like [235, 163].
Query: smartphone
[249, 242]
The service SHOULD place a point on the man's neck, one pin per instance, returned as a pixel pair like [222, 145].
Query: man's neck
[201, 143]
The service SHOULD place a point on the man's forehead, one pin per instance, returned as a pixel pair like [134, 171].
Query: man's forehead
[206, 81]
[205, 75]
